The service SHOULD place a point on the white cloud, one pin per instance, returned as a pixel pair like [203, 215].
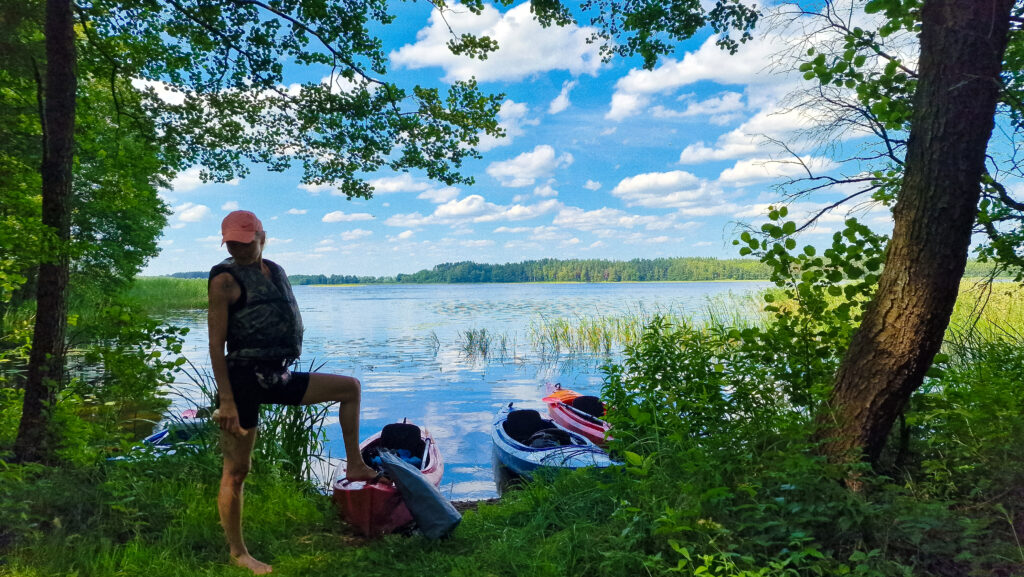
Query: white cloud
[340, 216]
[605, 218]
[525, 47]
[405, 234]
[718, 110]
[164, 91]
[561, 102]
[473, 208]
[512, 117]
[297, 211]
[187, 180]
[749, 138]
[190, 212]
[592, 185]
[545, 191]
[476, 243]
[674, 189]
[316, 189]
[355, 234]
[404, 182]
[326, 241]
[229, 205]
[702, 243]
[753, 170]
[749, 67]
[439, 195]
[526, 168]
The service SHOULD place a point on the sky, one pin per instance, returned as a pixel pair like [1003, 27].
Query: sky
[601, 160]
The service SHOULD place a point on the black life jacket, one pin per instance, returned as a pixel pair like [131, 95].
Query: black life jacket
[265, 323]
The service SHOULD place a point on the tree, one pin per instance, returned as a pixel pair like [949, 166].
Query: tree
[958, 87]
[209, 79]
[46, 364]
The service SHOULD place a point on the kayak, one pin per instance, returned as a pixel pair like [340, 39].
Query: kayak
[376, 508]
[524, 442]
[176, 433]
[577, 413]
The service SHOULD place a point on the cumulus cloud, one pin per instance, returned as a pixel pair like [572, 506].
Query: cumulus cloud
[545, 191]
[674, 189]
[528, 167]
[439, 195]
[748, 139]
[341, 216]
[512, 117]
[229, 205]
[605, 218]
[405, 234]
[297, 211]
[525, 47]
[754, 170]
[749, 67]
[403, 182]
[592, 185]
[561, 102]
[355, 234]
[473, 208]
[316, 189]
[191, 212]
[717, 110]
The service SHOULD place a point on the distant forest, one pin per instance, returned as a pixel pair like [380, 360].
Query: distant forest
[574, 270]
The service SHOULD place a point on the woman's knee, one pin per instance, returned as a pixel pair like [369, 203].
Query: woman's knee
[235, 473]
[350, 390]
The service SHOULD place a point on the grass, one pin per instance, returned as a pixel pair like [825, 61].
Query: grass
[159, 518]
[163, 294]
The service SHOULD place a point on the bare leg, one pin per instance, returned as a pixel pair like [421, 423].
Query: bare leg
[347, 391]
[237, 451]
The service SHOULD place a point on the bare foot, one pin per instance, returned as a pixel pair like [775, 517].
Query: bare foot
[359, 471]
[247, 561]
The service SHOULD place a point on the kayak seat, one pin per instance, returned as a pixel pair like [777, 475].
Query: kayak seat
[523, 423]
[546, 438]
[395, 436]
[589, 405]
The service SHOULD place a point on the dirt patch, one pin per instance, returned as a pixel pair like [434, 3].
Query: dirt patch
[463, 506]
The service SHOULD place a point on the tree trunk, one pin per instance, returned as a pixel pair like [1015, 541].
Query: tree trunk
[962, 45]
[46, 363]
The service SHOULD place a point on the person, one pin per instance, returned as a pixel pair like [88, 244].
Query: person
[253, 314]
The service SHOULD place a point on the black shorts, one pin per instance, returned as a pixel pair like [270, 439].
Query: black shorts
[249, 394]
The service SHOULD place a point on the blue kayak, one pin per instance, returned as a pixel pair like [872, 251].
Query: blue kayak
[524, 442]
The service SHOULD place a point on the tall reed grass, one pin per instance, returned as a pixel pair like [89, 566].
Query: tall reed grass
[161, 294]
[611, 333]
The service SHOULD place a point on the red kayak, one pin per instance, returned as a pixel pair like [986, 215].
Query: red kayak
[375, 508]
[577, 413]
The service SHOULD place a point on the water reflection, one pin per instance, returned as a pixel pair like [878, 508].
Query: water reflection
[407, 344]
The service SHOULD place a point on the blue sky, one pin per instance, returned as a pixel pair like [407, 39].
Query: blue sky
[602, 160]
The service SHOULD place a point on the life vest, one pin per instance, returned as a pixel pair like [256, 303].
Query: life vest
[265, 323]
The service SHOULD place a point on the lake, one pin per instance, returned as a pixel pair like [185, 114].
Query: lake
[407, 344]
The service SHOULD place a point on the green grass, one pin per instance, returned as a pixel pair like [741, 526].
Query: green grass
[162, 294]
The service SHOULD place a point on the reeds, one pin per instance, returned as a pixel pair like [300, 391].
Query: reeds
[161, 294]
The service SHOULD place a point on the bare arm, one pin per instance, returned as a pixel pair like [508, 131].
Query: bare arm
[223, 292]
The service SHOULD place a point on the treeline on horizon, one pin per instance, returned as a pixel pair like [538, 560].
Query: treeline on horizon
[572, 270]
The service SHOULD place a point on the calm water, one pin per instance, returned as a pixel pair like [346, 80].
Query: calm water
[406, 343]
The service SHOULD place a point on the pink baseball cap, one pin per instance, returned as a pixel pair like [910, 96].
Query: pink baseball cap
[240, 226]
